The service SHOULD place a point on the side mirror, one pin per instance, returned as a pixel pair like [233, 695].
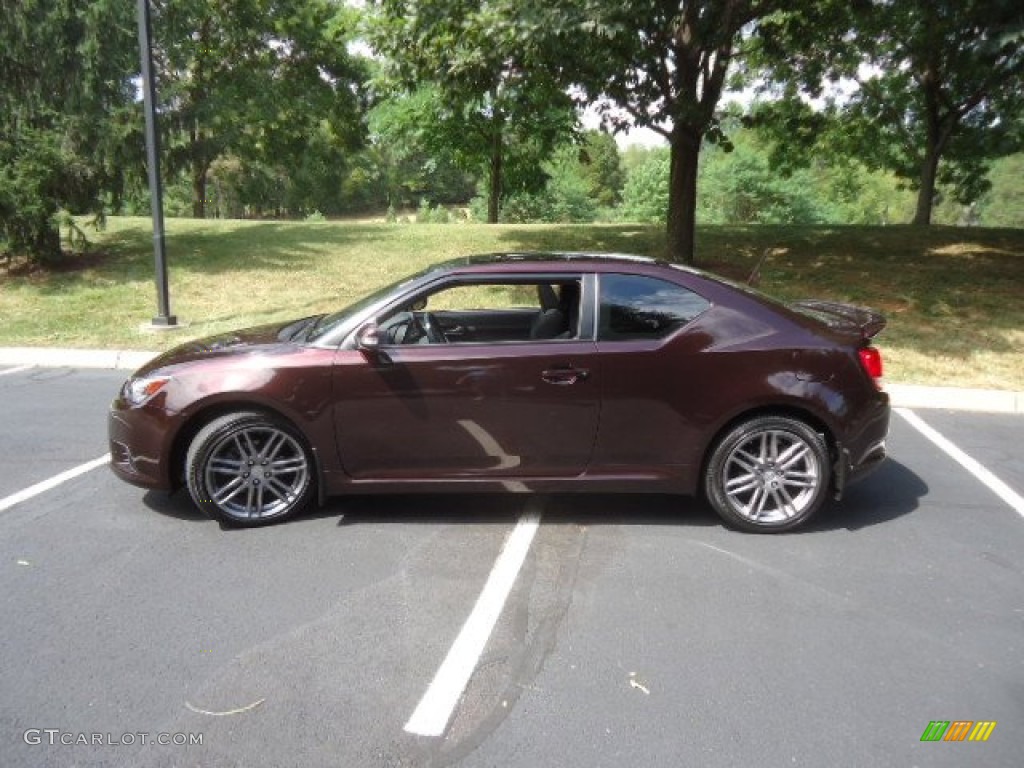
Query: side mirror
[368, 337]
[368, 342]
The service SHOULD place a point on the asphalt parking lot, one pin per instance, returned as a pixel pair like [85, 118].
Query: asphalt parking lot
[638, 631]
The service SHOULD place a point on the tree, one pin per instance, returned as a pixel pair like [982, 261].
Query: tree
[741, 187]
[256, 79]
[601, 167]
[664, 65]
[499, 95]
[938, 92]
[568, 195]
[1003, 206]
[423, 149]
[67, 117]
[645, 194]
[948, 87]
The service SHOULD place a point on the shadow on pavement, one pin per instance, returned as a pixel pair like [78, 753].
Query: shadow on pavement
[891, 492]
[177, 505]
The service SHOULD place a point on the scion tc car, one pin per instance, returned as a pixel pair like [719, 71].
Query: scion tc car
[520, 372]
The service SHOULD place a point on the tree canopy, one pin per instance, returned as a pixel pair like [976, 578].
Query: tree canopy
[67, 114]
[267, 109]
[664, 66]
[936, 89]
[497, 101]
[261, 79]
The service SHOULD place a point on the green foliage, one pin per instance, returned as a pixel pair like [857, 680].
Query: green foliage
[567, 197]
[937, 93]
[527, 208]
[601, 168]
[66, 116]
[1003, 206]
[740, 187]
[744, 186]
[270, 82]
[431, 214]
[664, 66]
[265, 113]
[418, 150]
[501, 101]
[31, 167]
[570, 190]
[645, 194]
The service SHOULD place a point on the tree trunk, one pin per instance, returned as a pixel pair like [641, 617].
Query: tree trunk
[197, 97]
[926, 194]
[198, 189]
[495, 181]
[682, 197]
[40, 241]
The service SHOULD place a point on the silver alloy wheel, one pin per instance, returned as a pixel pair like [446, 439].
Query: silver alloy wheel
[256, 472]
[773, 475]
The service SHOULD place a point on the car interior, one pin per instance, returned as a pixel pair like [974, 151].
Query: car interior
[488, 313]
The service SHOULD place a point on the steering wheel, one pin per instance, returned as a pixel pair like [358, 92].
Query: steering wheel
[431, 328]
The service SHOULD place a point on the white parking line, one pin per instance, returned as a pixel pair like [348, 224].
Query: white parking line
[19, 369]
[435, 708]
[993, 483]
[53, 482]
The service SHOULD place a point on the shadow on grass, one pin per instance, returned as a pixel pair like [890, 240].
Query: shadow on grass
[891, 492]
[947, 291]
[638, 239]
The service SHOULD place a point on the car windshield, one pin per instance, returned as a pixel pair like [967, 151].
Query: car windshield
[329, 323]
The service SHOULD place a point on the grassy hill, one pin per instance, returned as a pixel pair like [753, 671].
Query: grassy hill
[952, 295]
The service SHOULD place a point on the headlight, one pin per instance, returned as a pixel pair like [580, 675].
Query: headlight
[138, 390]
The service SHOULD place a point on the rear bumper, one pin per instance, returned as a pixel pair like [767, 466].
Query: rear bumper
[864, 451]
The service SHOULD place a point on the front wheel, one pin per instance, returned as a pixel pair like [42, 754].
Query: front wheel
[768, 474]
[249, 469]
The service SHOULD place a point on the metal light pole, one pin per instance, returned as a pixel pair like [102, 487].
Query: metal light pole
[165, 319]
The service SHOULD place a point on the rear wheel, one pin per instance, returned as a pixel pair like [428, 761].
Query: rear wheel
[249, 469]
[768, 474]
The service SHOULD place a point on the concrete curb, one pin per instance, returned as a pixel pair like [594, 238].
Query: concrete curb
[956, 399]
[49, 357]
[903, 395]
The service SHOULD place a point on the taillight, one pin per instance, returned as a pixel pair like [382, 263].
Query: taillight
[871, 361]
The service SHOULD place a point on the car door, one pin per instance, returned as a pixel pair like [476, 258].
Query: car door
[652, 382]
[467, 410]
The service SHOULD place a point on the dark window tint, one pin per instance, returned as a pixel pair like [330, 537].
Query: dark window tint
[635, 307]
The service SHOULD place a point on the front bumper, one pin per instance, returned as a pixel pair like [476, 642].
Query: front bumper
[137, 438]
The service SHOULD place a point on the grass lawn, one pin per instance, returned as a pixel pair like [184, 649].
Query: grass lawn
[953, 296]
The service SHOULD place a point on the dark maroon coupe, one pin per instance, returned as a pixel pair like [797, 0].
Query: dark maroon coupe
[520, 372]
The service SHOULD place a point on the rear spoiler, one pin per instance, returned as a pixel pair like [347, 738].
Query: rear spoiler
[867, 322]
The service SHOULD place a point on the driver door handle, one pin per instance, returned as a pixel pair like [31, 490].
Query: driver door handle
[564, 377]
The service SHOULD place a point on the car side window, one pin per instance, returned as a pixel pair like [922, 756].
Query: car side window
[484, 296]
[521, 310]
[640, 307]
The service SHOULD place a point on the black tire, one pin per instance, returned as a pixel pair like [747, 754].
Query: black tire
[249, 469]
[769, 474]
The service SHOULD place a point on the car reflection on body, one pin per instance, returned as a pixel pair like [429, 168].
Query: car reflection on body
[524, 372]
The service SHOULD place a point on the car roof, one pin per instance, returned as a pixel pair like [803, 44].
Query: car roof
[534, 259]
[541, 257]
